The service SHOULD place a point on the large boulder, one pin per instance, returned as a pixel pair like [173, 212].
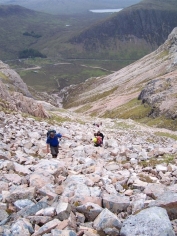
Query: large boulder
[148, 222]
[167, 200]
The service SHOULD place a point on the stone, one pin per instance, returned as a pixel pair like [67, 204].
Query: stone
[167, 200]
[106, 219]
[21, 193]
[115, 203]
[39, 220]
[21, 169]
[154, 190]
[80, 218]
[49, 166]
[63, 210]
[3, 215]
[56, 232]
[22, 227]
[90, 210]
[138, 184]
[39, 180]
[34, 135]
[48, 191]
[3, 186]
[110, 189]
[3, 206]
[138, 202]
[16, 179]
[161, 168]
[46, 228]
[20, 204]
[4, 155]
[63, 224]
[31, 210]
[48, 211]
[119, 187]
[151, 221]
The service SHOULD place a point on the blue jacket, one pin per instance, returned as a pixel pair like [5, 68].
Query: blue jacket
[53, 141]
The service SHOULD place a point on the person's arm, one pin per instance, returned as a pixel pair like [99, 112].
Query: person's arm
[63, 136]
[48, 148]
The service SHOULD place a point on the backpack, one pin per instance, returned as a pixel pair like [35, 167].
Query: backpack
[50, 131]
[99, 140]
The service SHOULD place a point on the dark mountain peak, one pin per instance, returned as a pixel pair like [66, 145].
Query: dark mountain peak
[6, 10]
[147, 23]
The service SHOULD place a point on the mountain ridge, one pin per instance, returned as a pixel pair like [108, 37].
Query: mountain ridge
[67, 7]
[117, 94]
[147, 23]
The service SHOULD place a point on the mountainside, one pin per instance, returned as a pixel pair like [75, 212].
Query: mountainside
[132, 32]
[14, 94]
[146, 88]
[21, 28]
[69, 7]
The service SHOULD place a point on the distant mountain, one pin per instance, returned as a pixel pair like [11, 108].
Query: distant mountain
[22, 28]
[68, 6]
[132, 32]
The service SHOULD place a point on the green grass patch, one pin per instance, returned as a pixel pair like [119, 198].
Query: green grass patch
[134, 109]
[167, 158]
[160, 122]
[123, 125]
[58, 119]
[168, 135]
[145, 178]
[163, 54]
[83, 108]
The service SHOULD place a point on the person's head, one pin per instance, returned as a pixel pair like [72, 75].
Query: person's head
[52, 134]
[98, 132]
[95, 134]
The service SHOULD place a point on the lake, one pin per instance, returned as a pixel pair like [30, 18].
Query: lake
[106, 10]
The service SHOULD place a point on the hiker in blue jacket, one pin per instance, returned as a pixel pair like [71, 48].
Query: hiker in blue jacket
[53, 143]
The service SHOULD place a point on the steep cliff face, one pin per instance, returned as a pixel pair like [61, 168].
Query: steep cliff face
[14, 94]
[152, 79]
[147, 24]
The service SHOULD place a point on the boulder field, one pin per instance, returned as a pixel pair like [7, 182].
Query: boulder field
[127, 187]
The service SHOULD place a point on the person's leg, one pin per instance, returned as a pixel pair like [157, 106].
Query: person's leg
[54, 151]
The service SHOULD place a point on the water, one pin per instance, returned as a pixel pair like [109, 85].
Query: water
[106, 10]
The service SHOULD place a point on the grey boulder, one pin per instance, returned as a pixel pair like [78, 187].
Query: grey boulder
[148, 222]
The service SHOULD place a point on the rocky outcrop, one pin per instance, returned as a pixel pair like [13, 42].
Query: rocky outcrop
[11, 77]
[14, 94]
